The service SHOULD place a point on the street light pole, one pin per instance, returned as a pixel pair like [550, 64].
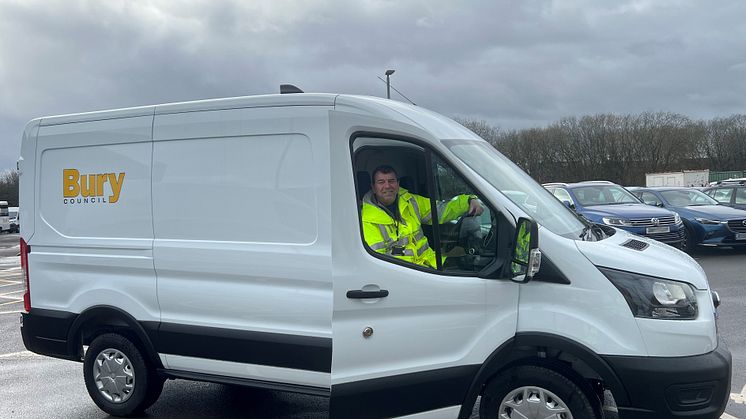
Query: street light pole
[388, 83]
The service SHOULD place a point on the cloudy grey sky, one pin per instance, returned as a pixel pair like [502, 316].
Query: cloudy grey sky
[515, 64]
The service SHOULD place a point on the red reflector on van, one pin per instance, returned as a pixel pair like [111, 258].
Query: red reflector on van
[25, 249]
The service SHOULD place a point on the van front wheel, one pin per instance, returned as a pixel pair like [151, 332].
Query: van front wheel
[534, 392]
[118, 378]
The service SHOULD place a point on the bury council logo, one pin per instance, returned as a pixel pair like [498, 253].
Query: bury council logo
[93, 188]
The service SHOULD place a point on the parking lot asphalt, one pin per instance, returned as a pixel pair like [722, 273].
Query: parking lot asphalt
[34, 386]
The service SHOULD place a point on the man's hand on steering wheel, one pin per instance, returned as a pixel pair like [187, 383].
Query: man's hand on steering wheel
[475, 208]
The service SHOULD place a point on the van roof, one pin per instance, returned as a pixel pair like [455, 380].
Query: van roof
[373, 106]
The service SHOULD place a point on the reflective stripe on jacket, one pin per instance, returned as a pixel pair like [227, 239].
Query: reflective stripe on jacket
[404, 239]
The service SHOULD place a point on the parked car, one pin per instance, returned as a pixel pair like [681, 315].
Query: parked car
[608, 203]
[14, 221]
[706, 221]
[729, 192]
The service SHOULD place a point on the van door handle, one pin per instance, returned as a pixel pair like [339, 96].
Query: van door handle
[367, 294]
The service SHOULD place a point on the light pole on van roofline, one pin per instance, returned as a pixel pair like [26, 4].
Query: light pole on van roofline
[388, 83]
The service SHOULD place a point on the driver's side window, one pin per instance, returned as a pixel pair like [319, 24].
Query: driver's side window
[466, 225]
[416, 210]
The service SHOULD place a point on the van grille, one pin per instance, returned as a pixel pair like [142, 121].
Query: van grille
[739, 226]
[672, 237]
[648, 222]
[635, 244]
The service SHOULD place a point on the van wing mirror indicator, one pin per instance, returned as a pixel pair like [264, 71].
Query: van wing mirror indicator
[526, 258]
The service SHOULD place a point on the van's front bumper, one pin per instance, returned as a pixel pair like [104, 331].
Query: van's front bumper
[675, 387]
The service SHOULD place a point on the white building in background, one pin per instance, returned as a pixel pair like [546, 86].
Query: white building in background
[682, 178]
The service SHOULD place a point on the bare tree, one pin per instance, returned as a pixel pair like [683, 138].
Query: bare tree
[9, 187]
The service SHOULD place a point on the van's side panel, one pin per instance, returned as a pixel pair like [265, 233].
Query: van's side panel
[242, 247]
[93, 221]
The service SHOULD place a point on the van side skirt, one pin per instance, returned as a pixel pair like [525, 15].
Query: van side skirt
[58, 334]
[272, 349]
[245, 382]
[403, 394]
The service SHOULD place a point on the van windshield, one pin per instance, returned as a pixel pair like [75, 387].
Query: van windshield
[517, 186]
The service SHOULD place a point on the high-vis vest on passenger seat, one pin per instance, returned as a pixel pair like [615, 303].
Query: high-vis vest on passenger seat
[404, 239]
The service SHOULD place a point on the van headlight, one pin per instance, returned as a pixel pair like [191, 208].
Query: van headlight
[616, 221]
[676, 218]
[654, 298]
[706, 221]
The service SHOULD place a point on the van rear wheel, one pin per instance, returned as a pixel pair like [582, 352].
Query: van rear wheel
[118, 378]
[534, 392]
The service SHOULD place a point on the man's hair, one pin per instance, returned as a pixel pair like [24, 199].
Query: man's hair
[385, 169]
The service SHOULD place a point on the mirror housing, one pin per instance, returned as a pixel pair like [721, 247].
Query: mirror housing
[526, 256]
[568, 204]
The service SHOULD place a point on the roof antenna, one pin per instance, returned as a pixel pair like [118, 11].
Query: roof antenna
[289, 88]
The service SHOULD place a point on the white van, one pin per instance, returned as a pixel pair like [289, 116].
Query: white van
[283, 292]
[4, 216]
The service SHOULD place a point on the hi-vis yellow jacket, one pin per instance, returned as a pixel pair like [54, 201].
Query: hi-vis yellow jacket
[404, 239]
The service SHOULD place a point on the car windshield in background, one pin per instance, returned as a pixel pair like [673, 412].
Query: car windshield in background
[514, 183]
[603, 195]
[687, 198]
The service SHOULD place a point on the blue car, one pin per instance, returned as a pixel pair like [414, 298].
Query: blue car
[608, 203]
[707, 222]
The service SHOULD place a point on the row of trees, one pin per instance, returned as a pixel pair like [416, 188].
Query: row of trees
[9, 187]
[621, 148]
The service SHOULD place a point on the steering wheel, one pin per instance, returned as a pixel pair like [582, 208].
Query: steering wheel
[470, 234]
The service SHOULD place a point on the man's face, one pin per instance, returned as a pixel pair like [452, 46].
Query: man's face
[385, 187]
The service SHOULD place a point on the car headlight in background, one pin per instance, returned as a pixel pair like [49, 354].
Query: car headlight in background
[706, 221]
[654, 298]
[676, 218]
[615, 221]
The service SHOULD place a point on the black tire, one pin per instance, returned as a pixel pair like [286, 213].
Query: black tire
[547, 391]
[129, 384]
[687, 244]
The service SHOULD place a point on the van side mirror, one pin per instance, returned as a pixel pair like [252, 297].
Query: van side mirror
[526, 258]
[569, 204]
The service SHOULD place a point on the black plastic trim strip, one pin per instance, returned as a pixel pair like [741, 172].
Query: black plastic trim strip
[105, 317]
[246, 382]
[273, 349]
[45, 332]
[403, 394]
[550, 273]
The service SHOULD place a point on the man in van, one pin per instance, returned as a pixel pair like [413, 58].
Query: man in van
[393, 217]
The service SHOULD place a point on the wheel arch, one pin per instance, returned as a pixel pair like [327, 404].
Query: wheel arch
[542, 349]
[102, 319]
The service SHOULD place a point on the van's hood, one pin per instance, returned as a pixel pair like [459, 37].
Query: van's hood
[627, 211]
[658, 259]
[718, 212]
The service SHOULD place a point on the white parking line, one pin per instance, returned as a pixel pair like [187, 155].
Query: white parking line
[10, 293]
[11, 284]
[11, 302]
[739, 398]
[727, 416]
[11, 312]
[22, 354]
